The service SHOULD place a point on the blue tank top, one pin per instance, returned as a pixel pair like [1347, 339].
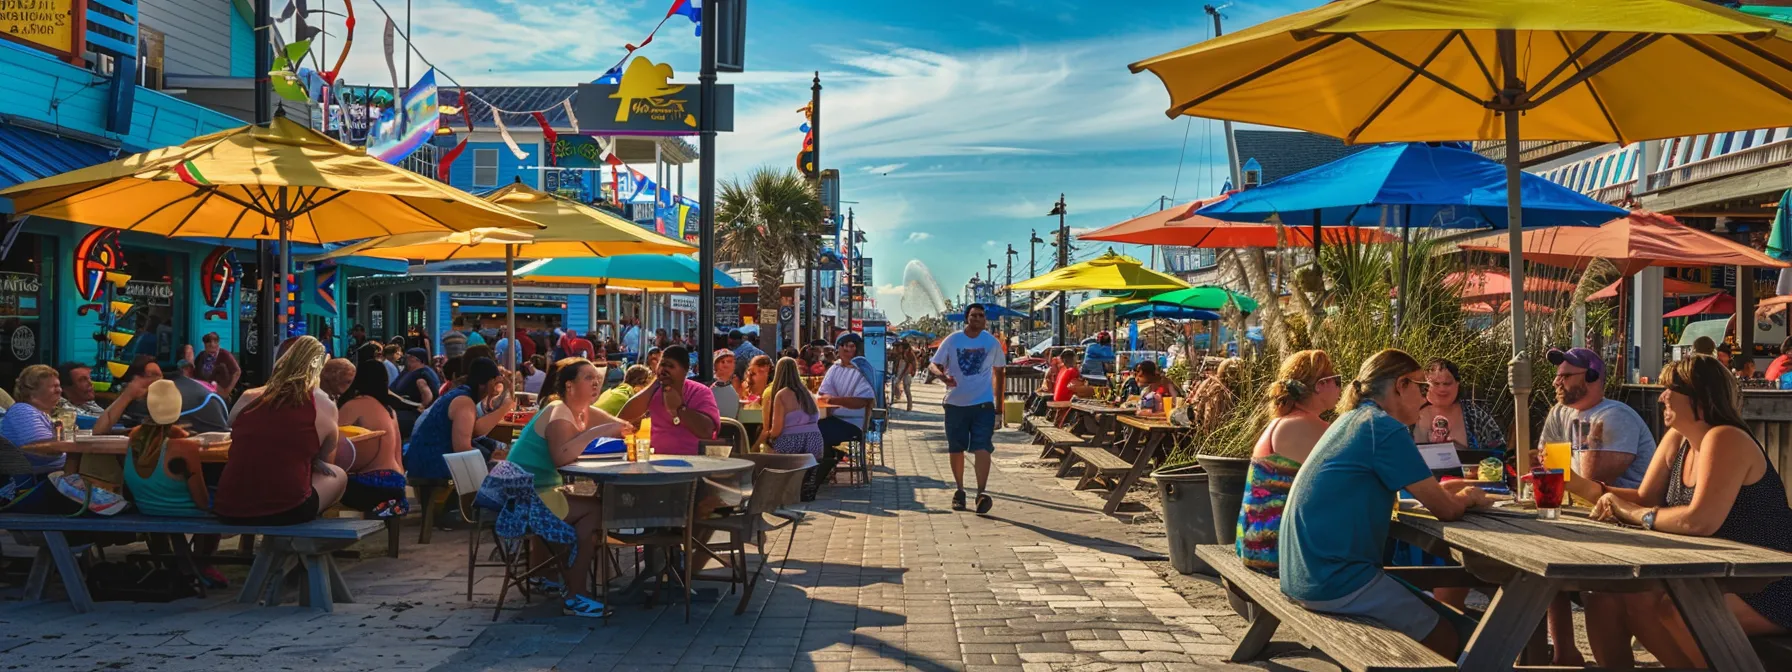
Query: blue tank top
[433, 438]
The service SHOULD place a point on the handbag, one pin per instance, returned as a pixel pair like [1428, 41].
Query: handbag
[96, 485]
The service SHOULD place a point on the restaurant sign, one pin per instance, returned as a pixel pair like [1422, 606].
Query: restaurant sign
[646, 101]
[55, 26]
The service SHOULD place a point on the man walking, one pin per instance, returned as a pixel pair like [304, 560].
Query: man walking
[971, 363]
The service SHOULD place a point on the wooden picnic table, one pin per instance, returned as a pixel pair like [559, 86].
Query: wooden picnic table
[1532, 560]
[1123, 462]
[215, 452]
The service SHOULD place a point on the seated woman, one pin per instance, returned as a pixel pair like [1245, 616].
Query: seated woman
[1709, 478]
[613, 399]
[1448, 418]
[555, 438]
[790, 418]
[454, 421]
[282, 438]
[1212, 399]
[37, 392]
[375, 469]
[163, 474]
[1336, 521]
[1306, 387]
[683, 411]
[25, 485]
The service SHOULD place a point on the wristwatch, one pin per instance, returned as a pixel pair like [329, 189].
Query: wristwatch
[1649, 519]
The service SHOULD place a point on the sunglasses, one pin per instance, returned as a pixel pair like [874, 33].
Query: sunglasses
[1424, 385]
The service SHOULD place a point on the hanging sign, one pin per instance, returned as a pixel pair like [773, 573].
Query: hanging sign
[55, 26]
[97, 253]
[645, 101]
[396, 135]
[218, 279]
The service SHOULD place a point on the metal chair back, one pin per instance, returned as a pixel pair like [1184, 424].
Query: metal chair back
[628, 506]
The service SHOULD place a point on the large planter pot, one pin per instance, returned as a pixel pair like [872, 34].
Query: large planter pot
[1188, 516]
[1225, 487]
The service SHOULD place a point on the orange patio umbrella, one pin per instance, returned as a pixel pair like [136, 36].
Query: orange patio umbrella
[1180, 226]
[1495, 285]
[1670, 287]
[1633, 243]
[1490, 309]
[1716, 304]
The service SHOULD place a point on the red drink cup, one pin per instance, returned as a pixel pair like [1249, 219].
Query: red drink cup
[1548, 486]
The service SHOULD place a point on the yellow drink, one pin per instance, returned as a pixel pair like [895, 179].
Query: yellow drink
[1559, 456]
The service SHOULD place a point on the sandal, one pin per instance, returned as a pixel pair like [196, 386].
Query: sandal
[958, 501]
[546, 586]
[984, 503]
[579, 605]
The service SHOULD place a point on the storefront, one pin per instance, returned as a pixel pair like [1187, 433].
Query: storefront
[427, 303]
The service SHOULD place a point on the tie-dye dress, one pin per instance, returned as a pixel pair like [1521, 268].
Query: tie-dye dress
[1265, 494]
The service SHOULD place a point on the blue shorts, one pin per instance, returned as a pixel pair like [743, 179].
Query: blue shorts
[970, 428]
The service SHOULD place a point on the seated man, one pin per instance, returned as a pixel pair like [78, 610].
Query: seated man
[77, 389]
[1070, 384]
[201, 409]
[683, 411]
[852, 394]
[1098, 358]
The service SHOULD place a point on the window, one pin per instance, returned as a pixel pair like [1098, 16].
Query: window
[159, 320]
[24, 295]
[485, 167]
[149, 57]
[1252, 178]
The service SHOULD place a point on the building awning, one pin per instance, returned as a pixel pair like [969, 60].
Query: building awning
[27, 155]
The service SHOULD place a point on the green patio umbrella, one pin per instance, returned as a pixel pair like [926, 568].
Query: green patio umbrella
[1206, 297]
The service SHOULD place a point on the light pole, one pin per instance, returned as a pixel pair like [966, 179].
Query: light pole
[1008, 289]
[706, 200]
[1059, 337]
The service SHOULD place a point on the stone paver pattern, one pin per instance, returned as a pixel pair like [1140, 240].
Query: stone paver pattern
[882, 577]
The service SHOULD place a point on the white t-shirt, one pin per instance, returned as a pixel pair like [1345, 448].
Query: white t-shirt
[844, 380]
[973, 362]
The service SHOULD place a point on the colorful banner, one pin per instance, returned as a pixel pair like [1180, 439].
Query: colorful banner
[396, 136]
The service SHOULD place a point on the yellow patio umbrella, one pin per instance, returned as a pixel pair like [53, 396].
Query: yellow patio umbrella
[1110, 271]
[1104, 303]
[1425, 70]
[259, 182]
[569, 229]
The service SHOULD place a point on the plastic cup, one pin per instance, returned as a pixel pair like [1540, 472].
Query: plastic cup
[1471, 472]
[1548, 487]
[1558, 457]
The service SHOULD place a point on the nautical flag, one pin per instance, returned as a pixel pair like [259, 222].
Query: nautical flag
[691, 9]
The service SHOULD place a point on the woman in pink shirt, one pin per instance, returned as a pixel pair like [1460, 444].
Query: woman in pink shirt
[683, 411]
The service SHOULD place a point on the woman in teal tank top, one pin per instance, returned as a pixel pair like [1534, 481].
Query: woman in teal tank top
[555, 438]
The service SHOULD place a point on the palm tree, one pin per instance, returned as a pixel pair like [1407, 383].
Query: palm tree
[772, 220]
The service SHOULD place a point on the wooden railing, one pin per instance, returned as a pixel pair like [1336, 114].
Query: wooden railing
[1753, 158]
[1531, 151]
[1615, 193]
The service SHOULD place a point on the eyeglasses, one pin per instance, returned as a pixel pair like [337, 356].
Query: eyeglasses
[1330, 379]
[1424, 385]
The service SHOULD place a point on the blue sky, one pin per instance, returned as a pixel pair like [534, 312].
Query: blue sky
[954, 123]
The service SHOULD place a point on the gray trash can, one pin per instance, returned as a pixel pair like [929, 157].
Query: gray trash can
[1188, 516]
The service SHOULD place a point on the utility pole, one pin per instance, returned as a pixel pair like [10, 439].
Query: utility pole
[1231, 144]
[1060, 329]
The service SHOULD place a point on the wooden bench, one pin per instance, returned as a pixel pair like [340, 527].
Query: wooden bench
[1033, 423]
[1775, 652]
[305, 546]
[1355, 644]
[1058, 441]
[1116, 472]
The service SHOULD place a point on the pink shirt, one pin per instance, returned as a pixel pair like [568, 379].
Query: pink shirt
[670, 439]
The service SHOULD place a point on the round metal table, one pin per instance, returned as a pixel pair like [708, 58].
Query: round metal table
[661, 469]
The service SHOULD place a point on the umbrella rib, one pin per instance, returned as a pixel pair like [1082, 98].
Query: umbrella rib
[1604, 111]
[190, 213]
[157, 211]
[1763, 54]
[1480, 63]
[231, 232]
[1608, 59]
[1572, 59]
[1389, 99]
[1409, 65]
[310, 206]
[1253, 75]
[1741, 69]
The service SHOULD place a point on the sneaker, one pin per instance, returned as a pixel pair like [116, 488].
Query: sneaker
[984, 503]
[213, 579]
[579, 605]
[545, 586]
[958, 501]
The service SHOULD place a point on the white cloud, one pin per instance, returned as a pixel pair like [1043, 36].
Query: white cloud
[919, 236]
[885, 169]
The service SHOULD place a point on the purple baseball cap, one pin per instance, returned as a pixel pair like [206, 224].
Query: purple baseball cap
[1582, 357]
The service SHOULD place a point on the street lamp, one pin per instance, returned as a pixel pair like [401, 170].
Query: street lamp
[1059, 210]
[1033, 272]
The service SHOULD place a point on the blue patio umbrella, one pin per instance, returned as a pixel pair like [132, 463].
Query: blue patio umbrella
[914, 333]
[1406, 185]
[1413, 184]
[1153, 310]
[647, 271]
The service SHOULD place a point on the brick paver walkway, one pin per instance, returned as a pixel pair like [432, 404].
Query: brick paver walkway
[883, 577]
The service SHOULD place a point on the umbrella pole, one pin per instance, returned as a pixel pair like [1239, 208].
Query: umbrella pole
[510, 353]
[1519, 370]
[285, 300]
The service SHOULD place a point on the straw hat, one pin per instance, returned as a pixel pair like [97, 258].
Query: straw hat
[163, 400]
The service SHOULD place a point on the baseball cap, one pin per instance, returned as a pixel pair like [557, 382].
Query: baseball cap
[421, 354]
[849, 337]
[734, 333]
[1581, 357]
